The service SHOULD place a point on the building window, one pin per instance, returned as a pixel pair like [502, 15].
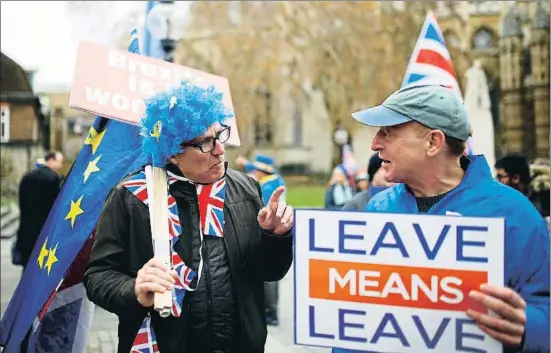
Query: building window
[263, 129]
[452, 39]
[481, 7]
[483, 39]
[262, 133]
[4, 124]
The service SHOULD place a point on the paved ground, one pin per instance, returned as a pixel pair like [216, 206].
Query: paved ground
[103, 337]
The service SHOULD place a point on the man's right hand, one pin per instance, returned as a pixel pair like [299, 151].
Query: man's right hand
[154, 277]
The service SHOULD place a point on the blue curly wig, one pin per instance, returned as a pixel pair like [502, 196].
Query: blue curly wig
[177, 116]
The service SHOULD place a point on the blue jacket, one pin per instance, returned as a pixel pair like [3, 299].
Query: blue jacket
[269, 184]
[526, 238]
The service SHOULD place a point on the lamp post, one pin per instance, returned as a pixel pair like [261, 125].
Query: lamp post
[166, 22]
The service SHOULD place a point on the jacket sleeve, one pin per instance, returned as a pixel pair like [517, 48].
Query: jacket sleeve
[276, 254]
[535, 291]
[106, 280]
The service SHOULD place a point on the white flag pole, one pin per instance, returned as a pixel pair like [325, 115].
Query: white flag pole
[157, 190]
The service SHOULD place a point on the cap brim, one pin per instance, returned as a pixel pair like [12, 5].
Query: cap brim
[262, 167]
[380, 116]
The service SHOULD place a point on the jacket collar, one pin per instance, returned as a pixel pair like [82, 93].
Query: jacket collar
[476, 169]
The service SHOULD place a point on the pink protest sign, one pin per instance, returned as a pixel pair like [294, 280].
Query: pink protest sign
[114, 83]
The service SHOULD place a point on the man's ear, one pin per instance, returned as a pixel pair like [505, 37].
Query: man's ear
[437, 140]
[173, 160]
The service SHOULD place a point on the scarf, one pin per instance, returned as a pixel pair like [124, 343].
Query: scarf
[211, 216]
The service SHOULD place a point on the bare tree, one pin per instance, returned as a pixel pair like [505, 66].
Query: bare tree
[105, 22]
[355, 53]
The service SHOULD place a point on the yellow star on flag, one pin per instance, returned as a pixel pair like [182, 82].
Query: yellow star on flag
[91, 168]
[52, 259]
[74, 211]
[42, 255]
[94, 138]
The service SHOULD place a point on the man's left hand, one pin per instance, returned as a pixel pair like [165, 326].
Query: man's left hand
[276, 217]
[508, 327]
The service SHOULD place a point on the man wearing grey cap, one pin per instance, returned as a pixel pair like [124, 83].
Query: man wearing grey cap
[422, 137]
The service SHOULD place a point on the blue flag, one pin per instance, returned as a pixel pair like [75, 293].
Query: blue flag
[151, 45]
[111, 150]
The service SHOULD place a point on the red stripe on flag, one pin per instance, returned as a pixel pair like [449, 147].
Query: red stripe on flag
[76, 271]
[141, 338]
[142, 195]
[46, 306]
[427, 56]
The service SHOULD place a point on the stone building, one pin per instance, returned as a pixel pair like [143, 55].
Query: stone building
[24, 128]
[524, 72]
[509, 38]
[69, 127]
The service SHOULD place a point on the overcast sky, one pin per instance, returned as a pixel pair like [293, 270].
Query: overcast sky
[44, 35]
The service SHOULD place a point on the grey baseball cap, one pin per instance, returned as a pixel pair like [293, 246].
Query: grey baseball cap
[434, 106]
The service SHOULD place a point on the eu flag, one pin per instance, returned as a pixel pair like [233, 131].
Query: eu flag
[111, 150]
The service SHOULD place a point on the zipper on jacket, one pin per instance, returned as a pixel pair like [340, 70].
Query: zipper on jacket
[241, 326]
[208, 284]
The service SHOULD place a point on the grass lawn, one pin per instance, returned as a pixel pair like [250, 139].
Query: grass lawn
[305, 196]
[4, 201]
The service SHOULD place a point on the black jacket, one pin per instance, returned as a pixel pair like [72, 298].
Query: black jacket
[37, 193]
[227, 309]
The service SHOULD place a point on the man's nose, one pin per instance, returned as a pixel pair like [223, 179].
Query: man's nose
[218, 148]
[376, 144]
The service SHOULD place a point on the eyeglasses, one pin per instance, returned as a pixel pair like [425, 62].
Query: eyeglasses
[209, 143]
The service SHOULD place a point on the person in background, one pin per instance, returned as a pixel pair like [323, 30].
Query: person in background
[246, 166]
[37, 193]
[263, 169]
[375, 181]
[513, 170]
[422, 136]
[361, 181]
[540, 185]
[39, 162]
[338, 191]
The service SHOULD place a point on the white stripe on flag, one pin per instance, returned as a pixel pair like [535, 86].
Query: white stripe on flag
[434, 72]
[433, 45]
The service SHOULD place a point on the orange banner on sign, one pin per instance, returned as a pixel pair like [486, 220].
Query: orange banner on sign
[418, 287]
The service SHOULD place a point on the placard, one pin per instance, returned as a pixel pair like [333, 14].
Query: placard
[392, 282]
[114, 83]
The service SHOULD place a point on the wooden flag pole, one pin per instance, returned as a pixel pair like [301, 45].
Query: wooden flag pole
[157, 190]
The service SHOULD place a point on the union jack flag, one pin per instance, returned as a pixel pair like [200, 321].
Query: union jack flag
[174, 226]
[211, 214]
[183, 282]
[145, 341]
[211, 207]
[431, 63]
[185, 273]
[138, 186]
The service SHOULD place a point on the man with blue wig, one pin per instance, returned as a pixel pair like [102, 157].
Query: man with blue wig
[224, 241]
